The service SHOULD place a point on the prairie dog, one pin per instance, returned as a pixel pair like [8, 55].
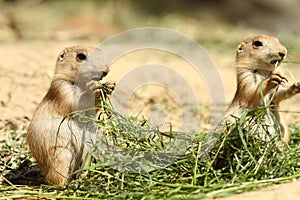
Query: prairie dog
[257, 59]
[56, 139]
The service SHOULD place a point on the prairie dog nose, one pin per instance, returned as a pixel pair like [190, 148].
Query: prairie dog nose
[282, 55]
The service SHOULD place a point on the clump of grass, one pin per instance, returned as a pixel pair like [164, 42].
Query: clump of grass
[132, 145]
[130, 161]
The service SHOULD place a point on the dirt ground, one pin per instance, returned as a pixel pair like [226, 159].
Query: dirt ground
[287, 191]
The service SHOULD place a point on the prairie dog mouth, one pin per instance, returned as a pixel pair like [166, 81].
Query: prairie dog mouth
[276, 62]
[97, 78]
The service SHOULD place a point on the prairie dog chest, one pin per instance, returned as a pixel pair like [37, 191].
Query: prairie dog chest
[251, 76]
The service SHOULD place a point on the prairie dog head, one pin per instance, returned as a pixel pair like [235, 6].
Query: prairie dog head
[79, 64]
[260, 52]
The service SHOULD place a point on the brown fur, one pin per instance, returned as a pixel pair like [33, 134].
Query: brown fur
[56, 139]
[256, 60]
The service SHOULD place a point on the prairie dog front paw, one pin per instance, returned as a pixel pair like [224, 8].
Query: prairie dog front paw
[295, 88]
[275, 79]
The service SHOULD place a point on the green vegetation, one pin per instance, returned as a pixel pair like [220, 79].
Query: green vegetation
[229, 160]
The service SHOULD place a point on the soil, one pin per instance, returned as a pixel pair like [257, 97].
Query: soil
[286, 191]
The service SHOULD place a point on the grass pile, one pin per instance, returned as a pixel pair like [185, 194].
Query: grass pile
[133, 161]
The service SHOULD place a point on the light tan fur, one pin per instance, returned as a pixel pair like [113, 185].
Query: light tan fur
[57, 139]
[257, 59]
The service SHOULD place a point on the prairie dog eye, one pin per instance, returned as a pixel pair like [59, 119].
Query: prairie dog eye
[257, 43]
[80, 57]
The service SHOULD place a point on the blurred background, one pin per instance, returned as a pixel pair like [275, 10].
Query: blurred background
[203, 20]
[33, 32]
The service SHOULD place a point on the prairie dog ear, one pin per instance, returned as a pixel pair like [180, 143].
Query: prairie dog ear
[240, 48]
[61, 56]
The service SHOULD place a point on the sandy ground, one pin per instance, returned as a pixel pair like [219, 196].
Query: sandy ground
[26, 69]
[287, 191]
